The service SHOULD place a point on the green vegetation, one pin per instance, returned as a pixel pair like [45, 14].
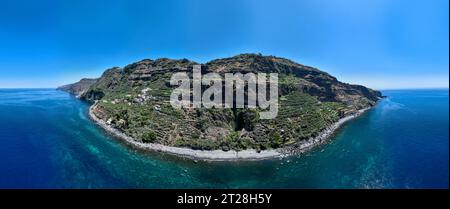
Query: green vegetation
[149, 137]
[135, 100]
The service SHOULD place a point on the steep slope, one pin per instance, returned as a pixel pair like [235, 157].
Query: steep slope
[79, 87]
[135, 100]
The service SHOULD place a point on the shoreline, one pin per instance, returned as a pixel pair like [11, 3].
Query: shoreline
[323, 137]
[232, 155]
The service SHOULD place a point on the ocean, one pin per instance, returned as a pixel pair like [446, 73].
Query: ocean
[47, 141]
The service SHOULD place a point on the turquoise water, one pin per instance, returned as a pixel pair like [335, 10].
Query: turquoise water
[46, 141]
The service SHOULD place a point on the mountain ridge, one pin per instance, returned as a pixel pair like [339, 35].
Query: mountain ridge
[134, 99]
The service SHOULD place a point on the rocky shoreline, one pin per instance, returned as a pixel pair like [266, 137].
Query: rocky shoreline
[323, 137]
[220, 155]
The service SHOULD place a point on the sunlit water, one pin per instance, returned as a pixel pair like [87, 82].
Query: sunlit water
[47, 141]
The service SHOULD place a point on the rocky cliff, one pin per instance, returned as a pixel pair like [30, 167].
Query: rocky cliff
[135, 100]
[78, 88]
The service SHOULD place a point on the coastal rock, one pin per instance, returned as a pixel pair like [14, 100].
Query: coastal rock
[79, 87]
[313, 104]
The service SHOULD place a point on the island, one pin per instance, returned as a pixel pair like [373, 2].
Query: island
[132, 104]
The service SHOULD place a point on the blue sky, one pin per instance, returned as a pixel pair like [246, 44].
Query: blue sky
[379, 43]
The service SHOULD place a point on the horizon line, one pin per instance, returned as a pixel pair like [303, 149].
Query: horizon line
[381, 89]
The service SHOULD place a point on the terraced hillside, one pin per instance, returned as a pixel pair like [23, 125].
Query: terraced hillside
[135, 100]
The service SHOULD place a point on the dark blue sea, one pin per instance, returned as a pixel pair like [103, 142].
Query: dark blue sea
[47, 141]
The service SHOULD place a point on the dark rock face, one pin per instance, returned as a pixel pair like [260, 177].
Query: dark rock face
[79, 87]
[313, 81]
[137, 95]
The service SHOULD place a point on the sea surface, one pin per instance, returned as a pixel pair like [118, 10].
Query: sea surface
[47, 141]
